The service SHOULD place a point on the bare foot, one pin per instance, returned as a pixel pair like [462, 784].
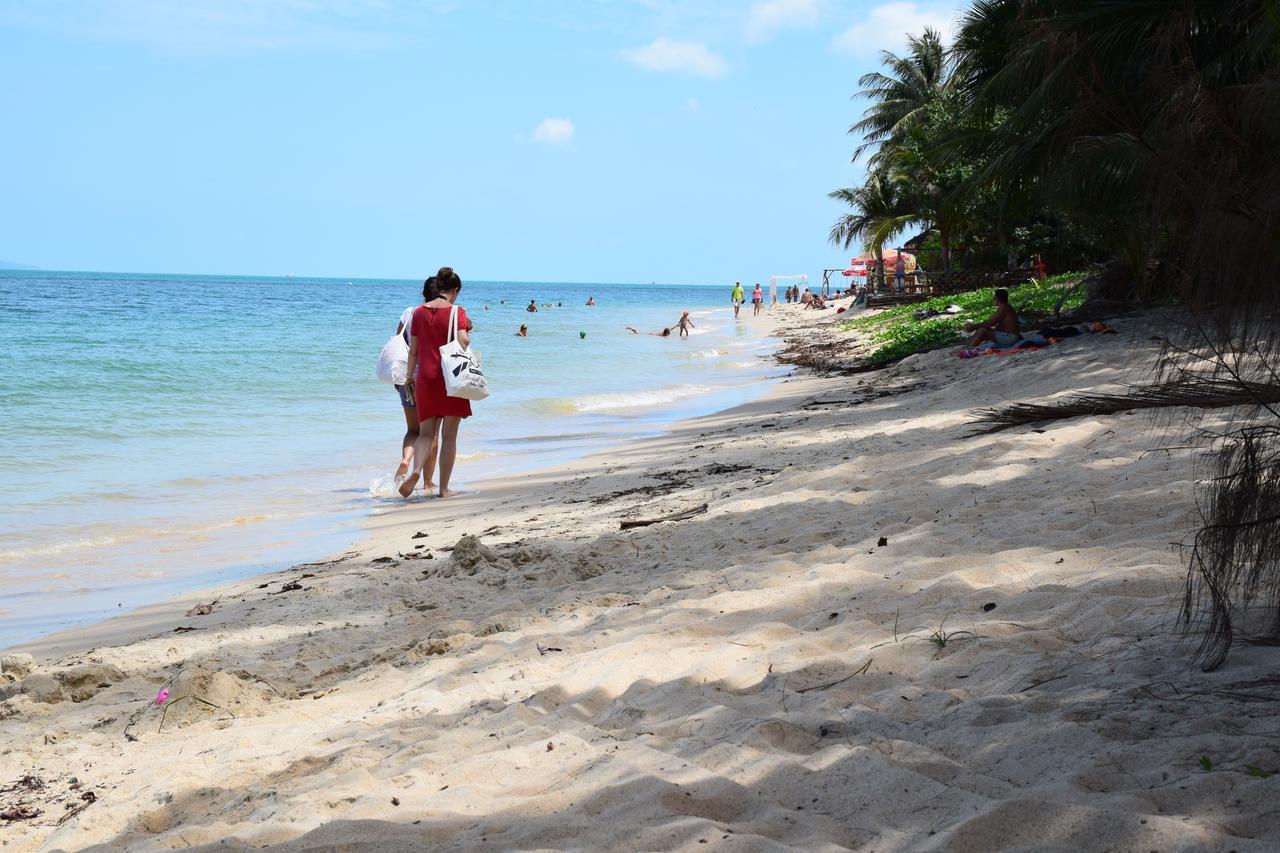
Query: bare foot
[428, 486]
[402, 469]
[406, 488]
[447, 493]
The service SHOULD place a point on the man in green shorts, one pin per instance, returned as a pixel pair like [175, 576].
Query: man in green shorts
[739, 296]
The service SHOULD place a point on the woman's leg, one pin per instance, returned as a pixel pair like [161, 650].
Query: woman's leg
[410, 438]
[430, 468]
[426, 429]
[448, 452]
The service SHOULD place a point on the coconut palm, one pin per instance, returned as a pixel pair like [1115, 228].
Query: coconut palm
[880, 210]
[898, 97]
[1161, 119]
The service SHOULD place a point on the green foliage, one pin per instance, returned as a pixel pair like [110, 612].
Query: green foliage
[899, 334]
[940, 638]
[1258, 772]
[1205, 764]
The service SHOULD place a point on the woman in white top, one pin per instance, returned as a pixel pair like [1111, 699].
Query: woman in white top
[409, 403]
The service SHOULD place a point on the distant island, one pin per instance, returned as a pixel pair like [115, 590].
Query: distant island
[10, 265]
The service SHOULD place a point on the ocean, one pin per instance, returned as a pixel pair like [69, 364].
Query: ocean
[159, 433]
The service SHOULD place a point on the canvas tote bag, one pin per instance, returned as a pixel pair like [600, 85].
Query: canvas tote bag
[463, 375]
[393, 361]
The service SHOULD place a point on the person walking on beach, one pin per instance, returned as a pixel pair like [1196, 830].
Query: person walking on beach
[436, 409]
[739, 296]
[685, 324]
[757, 300]
[408, 400]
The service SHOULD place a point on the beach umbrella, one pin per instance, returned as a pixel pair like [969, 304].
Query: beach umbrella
[890, 260]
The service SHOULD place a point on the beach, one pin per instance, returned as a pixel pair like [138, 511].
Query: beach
[865, 628]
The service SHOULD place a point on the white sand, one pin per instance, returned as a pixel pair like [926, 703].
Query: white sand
[756, 677]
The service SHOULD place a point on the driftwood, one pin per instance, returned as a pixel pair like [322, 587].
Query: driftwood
[1198, 393]
[678, 516]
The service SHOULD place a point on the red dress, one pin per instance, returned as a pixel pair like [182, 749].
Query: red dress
[431, 328]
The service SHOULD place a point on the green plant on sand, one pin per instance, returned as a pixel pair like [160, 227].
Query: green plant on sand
[899, 334]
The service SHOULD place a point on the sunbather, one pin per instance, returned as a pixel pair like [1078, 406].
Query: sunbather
[1001, 328]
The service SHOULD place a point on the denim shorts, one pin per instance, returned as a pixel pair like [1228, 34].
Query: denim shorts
[407, 399]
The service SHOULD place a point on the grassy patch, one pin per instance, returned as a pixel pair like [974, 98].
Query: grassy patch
[898, 334]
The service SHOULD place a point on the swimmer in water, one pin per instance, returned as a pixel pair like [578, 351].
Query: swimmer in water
[665, 333]
[524, 331]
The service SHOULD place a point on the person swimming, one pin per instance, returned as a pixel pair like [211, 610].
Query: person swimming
[665, 333]
[524, 331]
[532, 306]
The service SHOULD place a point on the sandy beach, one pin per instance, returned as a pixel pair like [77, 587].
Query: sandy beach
[870, 630]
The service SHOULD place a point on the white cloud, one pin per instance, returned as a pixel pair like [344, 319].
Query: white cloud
[687, 57]
[769, 16]
[553, 131]
[887, 26]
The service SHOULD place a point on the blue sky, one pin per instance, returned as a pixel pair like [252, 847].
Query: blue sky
[584, 140]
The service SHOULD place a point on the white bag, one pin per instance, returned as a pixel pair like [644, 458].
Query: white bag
[393, 361]
[463, 376]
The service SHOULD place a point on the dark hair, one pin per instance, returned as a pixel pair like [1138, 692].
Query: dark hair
[447, 280]
[1002, 295]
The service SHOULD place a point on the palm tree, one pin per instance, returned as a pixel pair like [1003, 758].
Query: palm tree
[899, 97]
[880, 210]
[1160, 119]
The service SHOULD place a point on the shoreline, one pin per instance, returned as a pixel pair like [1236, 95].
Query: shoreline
[759, 674]
[137, 622]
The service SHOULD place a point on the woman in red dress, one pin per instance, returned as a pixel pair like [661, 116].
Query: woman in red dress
[436, 409]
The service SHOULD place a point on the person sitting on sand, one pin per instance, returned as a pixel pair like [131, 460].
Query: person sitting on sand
[524, 331]
[806, 297]
[684, 324]
[665, 333]
[532, 307]
[1001, 328]
[815, 301]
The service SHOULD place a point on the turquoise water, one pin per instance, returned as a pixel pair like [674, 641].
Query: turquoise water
[163, 432]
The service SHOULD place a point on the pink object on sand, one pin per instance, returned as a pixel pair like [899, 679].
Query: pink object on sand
[162, 695]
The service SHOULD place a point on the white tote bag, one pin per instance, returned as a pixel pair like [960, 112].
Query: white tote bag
[393, 361]
[463, 375]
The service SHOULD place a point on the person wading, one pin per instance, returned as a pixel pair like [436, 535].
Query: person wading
[436, 409]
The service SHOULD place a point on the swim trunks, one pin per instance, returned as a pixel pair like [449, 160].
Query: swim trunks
[1005, 339]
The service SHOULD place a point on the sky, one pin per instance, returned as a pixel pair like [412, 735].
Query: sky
[683, 141]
